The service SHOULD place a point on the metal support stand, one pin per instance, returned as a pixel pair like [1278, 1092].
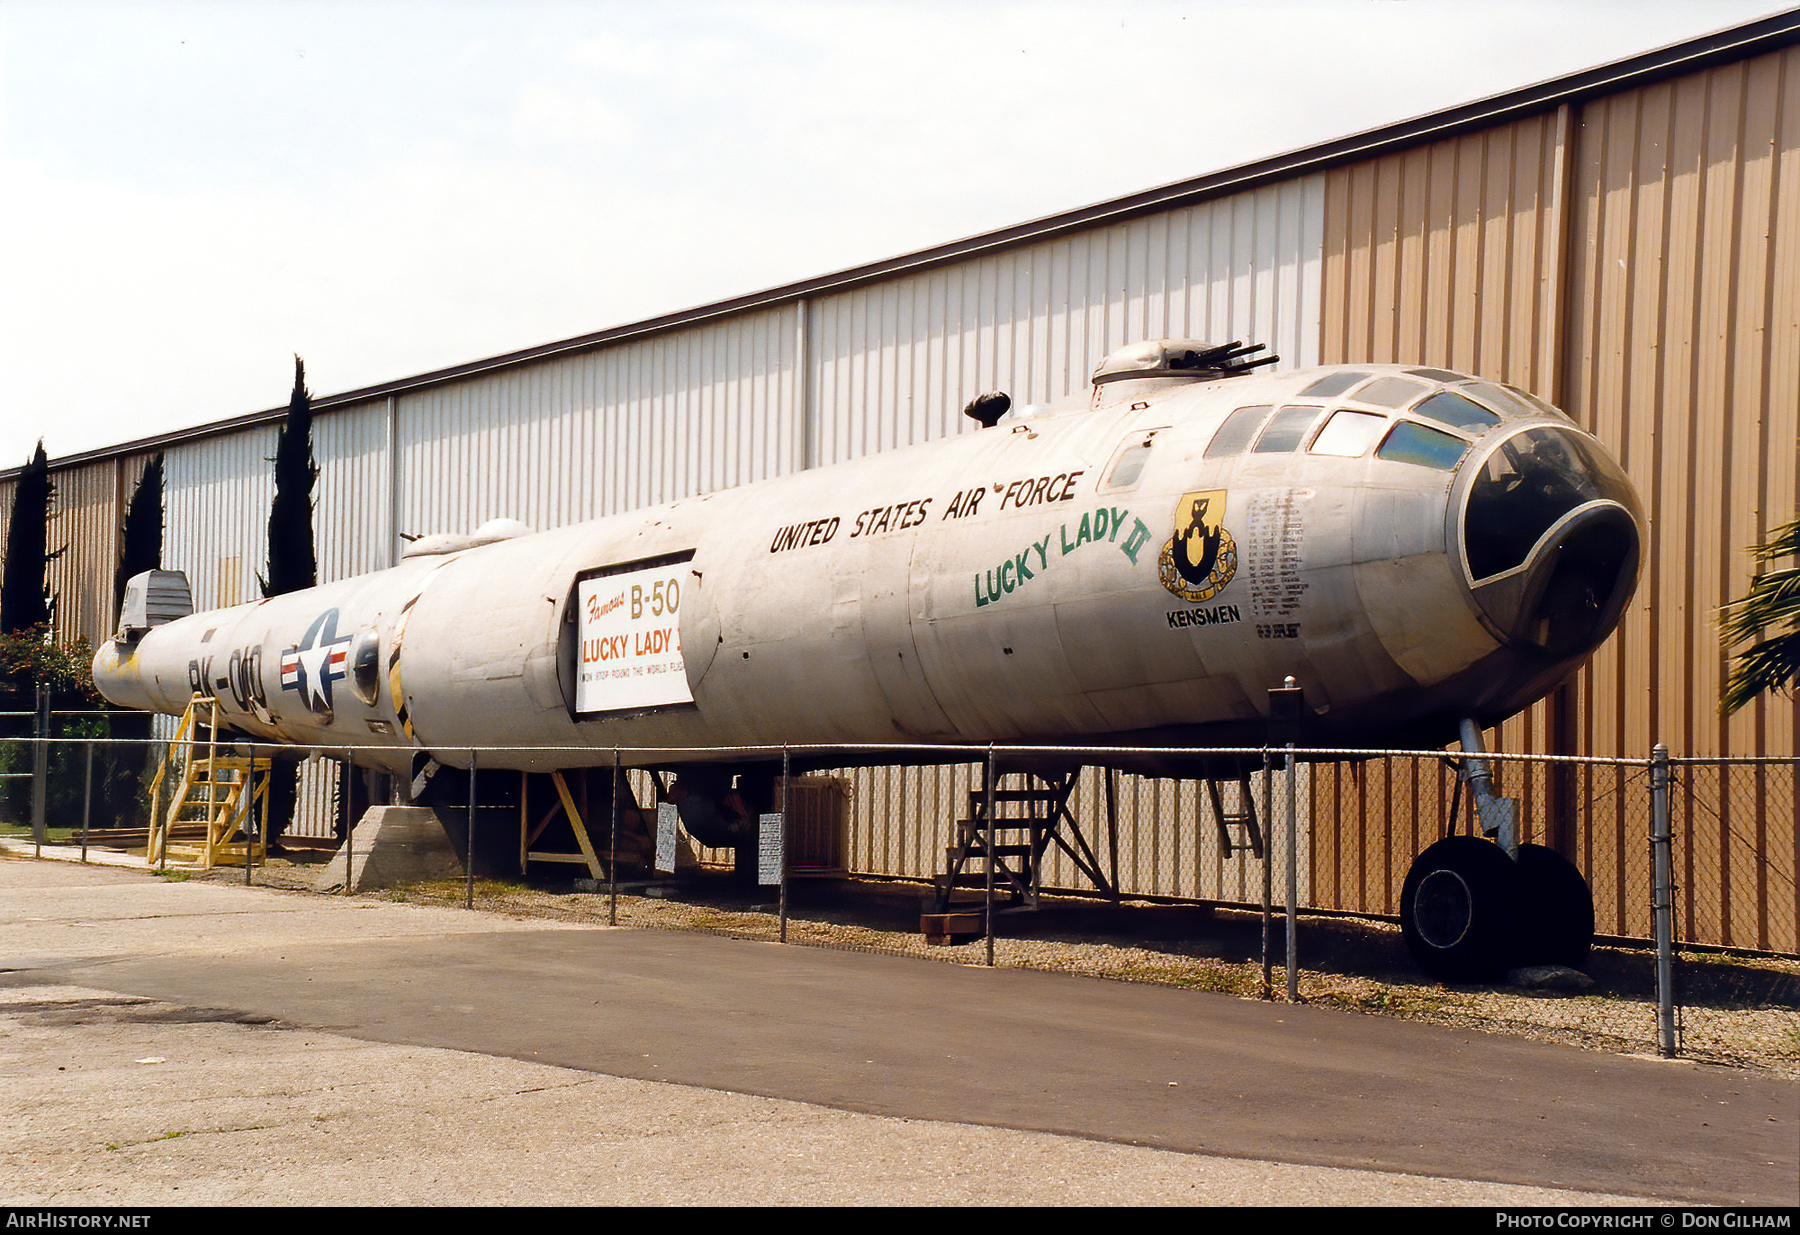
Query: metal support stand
[1663, 901]
[1244, 818]
[564, 804]
[1038, 816]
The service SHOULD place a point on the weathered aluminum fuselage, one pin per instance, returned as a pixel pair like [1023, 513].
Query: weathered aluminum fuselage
[1117, 576]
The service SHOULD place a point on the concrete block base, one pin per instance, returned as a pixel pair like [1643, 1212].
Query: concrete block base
[389, 845]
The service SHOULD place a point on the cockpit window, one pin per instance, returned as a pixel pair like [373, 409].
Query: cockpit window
[1285, 430]
[1448, 407]
[1503, 400]
[1546, 408]
[1332, 384]
[1348, 434]
[1414, 443]
[1128, 464]
[1533, 479]
[1236, 432]
[1437, 375]
[1391, 391]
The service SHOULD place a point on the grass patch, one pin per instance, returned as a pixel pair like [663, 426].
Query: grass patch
[1403, 1001]
[1223, 979]
[52, 835]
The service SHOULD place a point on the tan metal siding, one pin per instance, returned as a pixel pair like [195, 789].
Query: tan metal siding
[1441, 255]
[84, 531]
[7, 488]
[86, 518]
[1445, 254]
[1664, 316]
[1688, 196]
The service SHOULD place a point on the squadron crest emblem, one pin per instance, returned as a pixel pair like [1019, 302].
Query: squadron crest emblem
[1201, 558]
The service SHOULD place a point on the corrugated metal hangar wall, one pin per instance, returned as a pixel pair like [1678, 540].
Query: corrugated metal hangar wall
[1625, 242]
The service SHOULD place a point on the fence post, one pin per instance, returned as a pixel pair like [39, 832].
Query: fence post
[786, 768]
[1293, 886]
[1284, 727]
[469, 866]
[1268, 872]
[87, 797]
[40, 768]
[1663, 901]
[349, 829]
[988, 907]
[247, 824]
[612, 859]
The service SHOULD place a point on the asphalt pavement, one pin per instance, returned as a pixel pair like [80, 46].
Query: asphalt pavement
[186, 1042]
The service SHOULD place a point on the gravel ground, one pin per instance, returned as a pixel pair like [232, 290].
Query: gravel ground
[1733, 1011]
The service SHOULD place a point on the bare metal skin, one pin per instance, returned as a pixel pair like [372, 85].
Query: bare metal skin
[1088, 575]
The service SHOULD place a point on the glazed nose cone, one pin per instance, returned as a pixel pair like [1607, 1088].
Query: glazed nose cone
[1551, 538]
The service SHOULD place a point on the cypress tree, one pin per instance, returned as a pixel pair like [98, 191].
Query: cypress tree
[143, 530]
[24, 597]
[292, 565]
[25, 610]
[142, 535]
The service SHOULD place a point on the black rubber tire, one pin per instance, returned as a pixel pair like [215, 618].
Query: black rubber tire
[1556, 910]
[1459, 909]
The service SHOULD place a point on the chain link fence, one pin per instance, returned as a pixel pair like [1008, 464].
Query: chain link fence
[1357, 824]
[1341, 830]
[1735, 832]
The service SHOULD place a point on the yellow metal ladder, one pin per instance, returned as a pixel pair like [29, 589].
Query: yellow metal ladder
[222, 791]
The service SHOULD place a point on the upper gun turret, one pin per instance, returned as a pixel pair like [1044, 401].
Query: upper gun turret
[1138, 369]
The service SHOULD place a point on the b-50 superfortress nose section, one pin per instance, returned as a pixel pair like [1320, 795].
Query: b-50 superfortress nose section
[1420, 549]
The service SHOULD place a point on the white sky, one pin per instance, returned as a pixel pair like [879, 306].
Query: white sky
[191, 193]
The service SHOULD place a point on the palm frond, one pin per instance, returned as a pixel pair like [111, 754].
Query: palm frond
[1772, 603]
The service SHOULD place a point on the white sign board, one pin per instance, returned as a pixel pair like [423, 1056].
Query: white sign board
[630, 650]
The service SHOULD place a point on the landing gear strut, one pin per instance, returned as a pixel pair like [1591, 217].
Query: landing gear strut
[1471, 909]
